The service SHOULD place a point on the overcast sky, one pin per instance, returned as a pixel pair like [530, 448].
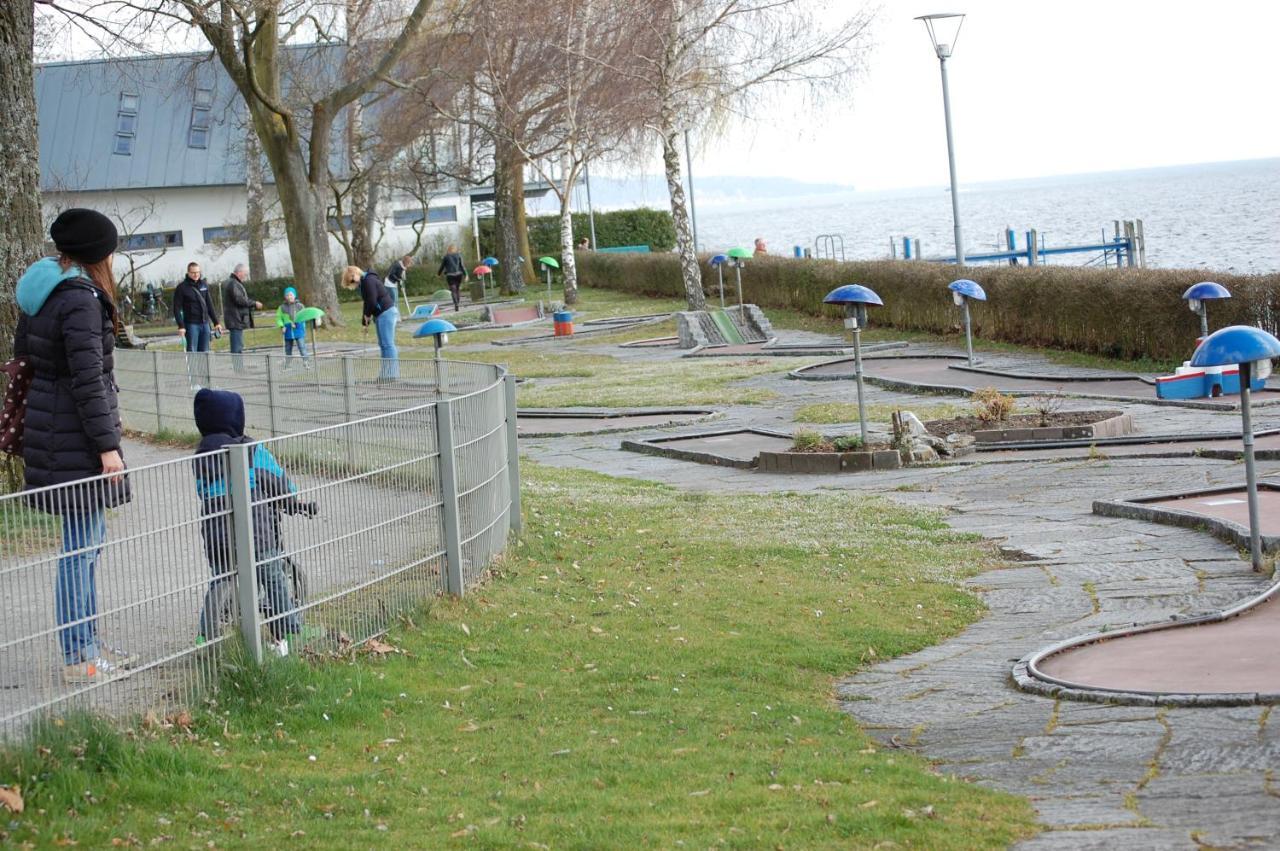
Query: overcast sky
[1037, 88]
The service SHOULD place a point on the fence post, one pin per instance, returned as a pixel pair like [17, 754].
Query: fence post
[271, 396]
[449, 499]
[349, 405]
[513, 456]
[155, 377]
[241, 522]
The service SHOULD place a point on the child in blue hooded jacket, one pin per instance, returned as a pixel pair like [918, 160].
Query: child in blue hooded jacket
[295, 333]
[219, 415]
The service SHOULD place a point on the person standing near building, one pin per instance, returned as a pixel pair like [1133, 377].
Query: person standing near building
[396, 279]
[66, 331]
[451, 266]
[237, 309]
[197, 320]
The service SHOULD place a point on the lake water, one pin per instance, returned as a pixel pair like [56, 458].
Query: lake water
[1220, 216]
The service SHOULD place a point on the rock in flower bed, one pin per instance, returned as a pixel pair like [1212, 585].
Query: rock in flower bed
[814, 453]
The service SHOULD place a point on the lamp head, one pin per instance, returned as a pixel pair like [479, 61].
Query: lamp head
[944, 31]
[1196, 305]
[718, 260]
[438, 328]
[965, 288]
[1235, 345]
[853, 294]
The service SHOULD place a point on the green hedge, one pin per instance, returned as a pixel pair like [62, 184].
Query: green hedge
[640, 226]
[1119, 313]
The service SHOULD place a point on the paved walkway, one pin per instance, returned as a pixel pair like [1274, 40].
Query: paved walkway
[1099, 776]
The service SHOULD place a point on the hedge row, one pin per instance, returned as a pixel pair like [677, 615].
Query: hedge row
[1119, 313]
[640, 226]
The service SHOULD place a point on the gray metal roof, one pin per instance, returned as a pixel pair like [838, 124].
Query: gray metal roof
[78, 105]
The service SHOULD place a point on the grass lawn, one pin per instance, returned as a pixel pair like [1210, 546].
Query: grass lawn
[827, 413]
[648, 669]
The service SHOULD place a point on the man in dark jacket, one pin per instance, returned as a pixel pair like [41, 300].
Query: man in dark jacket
[237, 310]
[219, 416]
[196, 317]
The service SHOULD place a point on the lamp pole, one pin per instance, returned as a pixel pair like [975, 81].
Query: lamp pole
[943, 50]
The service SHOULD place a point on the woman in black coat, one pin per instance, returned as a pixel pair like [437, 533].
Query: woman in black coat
[72, 431]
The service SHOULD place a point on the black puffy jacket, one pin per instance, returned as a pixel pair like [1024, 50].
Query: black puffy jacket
[66, 330]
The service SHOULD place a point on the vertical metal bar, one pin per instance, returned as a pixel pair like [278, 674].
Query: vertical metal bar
[1204, 320]
[155, 378]
[951, 162]
[968, 331]
[449, 499]
[272, 403]
[513, 455]
[720, 272]
[241, 521]
[591, 213]
[349, 404]
[1250, 473]
[737, 267]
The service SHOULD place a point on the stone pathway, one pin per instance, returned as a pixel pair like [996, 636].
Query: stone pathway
[1099, 776]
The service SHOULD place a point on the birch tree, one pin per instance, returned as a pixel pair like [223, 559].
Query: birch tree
[21, 222]
[698, 59]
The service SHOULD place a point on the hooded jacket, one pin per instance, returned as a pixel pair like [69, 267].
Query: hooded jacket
[377, 300]
[285, 318]
[66, 330]
[219, 416]
[192, 304]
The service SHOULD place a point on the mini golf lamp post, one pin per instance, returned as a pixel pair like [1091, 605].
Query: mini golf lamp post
[961, 292]
[482, 270]
[739, 257]
[548, 263]
[717, 262]
[855, 299]
[944, 30]
[1252, 350]
[438, 329]
[1196, 296]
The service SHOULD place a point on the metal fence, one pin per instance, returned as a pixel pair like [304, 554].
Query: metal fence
[362, 499]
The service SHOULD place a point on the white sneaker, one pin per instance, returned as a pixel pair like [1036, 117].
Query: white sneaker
[89, 672]
[279, 648]
[117, 656]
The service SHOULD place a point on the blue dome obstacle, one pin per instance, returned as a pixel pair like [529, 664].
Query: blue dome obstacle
[962, 291]
[855, 298]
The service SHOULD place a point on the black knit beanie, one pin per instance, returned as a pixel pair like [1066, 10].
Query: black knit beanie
[84, 235]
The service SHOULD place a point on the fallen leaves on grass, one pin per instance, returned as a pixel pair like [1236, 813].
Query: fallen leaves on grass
[11, 798]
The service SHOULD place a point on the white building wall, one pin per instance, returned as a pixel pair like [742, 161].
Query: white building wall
[193, 209]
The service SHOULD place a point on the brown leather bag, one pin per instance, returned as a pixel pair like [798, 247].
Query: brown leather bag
[14, 411]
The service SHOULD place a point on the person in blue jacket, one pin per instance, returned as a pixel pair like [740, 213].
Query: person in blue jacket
[219, 416]
[295, 333]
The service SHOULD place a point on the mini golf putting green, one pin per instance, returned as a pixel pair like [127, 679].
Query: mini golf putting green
[776, 349]
[557, 422]
[950, 374]
[731, 448]
[1222, 511]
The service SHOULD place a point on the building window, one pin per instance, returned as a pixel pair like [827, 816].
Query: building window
[152, 241]
[334, 226]
[434, 215]
[126, 124]
[226, 233]
[201, 119]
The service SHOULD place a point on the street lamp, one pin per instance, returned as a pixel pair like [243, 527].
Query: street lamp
[961, 291]
[944, 30]
[1252, 349]
[855, 299]
[1196, 296]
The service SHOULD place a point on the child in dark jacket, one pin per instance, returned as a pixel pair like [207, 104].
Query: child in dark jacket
[295, 333]
[219, 415]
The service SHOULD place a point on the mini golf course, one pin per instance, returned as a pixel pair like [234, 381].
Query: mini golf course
[951, 375]
[557, 422]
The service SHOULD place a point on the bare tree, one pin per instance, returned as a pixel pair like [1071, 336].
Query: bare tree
[255, 208]
[294, 118]
[21, 222]
[696, 59]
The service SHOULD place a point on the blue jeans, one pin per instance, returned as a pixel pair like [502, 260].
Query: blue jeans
[75, 595]
[236, 337]
[198, 338]
[386, 327]
[289, 344]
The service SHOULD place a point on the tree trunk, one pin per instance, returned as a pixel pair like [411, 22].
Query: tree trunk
[21, 221]
[505, 221]
[255, 219]
[568, 263]
[303, 207]
[520, 217]
[360, 191]
[690, 273]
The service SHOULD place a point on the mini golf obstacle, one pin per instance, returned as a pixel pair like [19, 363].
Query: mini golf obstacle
[1224, 658]
[1221, 511]
[563, 422]
[733, 326]
[601, 327]
[739, 448]
[777, 349]
[950, 375]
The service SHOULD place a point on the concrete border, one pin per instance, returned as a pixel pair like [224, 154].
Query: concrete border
[1118, 425]
[585, 332]
[1226, 530]
[801, 374]
[702, 415]
[653, 446]
[1029, 677]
